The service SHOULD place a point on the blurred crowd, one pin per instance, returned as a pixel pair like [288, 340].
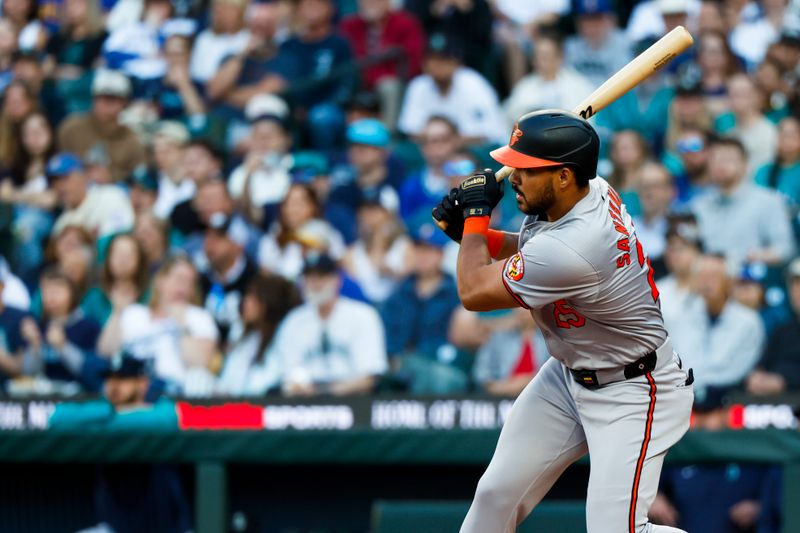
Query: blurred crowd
[237, 193]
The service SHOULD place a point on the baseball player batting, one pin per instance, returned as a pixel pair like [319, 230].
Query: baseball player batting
[614, 386]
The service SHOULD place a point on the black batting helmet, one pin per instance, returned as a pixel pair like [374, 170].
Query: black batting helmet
[550, 138]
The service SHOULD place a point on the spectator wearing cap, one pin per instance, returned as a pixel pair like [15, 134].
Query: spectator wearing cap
[718, 337]
[72, 51]
[739, 218]
[683, 249]
[225, 37]
[783, 173]
[325, 84]
[656, 191]
[260, 66]
[143, 188]
[137, 497]
[461, 94]
[370, 173]
[176, 337]
[391, 43]
[260, 183]
[440, 143]
[599, 49]
[80, 132]
[778, 370]
[417, 318]
[227, 271]
[470, 23]
[12, 341]
[169, 143]
[750, 288]
[252, 367]
[330, 344]
[747, 123]
[101, 210]
[378, 259]
[552, 85]
[298, 230]
[62, 345]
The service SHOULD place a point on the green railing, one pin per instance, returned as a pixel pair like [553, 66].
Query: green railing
[211, 452]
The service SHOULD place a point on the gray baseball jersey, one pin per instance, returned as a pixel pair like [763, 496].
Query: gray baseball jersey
[589, 286]
[588, 283]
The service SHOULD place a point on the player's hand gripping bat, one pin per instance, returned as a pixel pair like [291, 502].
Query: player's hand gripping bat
[640, 68]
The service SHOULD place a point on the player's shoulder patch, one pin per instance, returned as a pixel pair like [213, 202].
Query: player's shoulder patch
[515, 267]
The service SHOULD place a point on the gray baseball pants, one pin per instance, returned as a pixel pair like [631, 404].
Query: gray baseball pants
[627, 428]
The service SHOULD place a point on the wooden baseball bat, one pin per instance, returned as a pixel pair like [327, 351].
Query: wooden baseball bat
[639, 69]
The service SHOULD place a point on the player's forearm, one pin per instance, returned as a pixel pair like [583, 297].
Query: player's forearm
[473, 258]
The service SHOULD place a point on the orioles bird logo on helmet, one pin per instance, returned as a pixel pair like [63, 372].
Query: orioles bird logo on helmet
[515, 135]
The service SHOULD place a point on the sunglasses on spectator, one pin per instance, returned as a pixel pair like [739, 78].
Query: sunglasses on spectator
[690, 145]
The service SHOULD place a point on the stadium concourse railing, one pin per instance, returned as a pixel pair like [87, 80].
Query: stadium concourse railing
[374, 430]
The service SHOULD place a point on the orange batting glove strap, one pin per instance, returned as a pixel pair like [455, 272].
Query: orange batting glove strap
[495, 239]
[476, 225]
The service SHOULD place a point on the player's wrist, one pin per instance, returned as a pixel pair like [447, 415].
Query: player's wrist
[476, 225]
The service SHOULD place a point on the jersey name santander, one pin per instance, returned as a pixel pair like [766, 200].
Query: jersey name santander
[588, 283]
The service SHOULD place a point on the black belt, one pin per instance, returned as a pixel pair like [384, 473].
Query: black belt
[594, 379]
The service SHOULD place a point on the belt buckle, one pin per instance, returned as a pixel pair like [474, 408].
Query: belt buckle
[587, 378]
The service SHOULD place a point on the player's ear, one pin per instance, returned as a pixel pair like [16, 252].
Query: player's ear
[564, 176]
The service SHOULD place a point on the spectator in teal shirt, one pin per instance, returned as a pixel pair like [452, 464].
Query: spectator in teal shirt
[783, 174]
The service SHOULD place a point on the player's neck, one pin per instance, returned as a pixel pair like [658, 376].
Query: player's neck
[565, 203]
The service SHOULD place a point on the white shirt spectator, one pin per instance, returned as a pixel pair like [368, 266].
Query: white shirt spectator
[15, 294]
[471, 103]
[159, 339]
[350, 344]
[268, 185]
[646, 20]
[751, 218]
[674, 300]
[105, 210]
[378, 285]
[721, 352]
[525, 12]
[210, 50]
[171, 194]
[760, 140]
[242, 376]
[750, 40]
[653, 235]
[533, 93]
[288, 261]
